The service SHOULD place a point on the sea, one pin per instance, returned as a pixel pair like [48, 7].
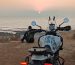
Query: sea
[14, 23]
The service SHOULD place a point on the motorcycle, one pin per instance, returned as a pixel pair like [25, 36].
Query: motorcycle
[49, 45]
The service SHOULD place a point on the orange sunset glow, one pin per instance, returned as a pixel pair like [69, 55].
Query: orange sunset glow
[37, 5]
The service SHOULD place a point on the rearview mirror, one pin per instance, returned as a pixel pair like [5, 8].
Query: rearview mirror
[33, 23]
[66, 20]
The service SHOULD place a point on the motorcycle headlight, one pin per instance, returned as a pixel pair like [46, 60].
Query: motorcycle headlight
[51, 27]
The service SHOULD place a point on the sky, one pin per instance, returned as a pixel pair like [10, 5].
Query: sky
[40, 8]
[20, 13]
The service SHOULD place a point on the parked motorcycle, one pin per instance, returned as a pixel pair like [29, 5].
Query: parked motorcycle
[49, 45]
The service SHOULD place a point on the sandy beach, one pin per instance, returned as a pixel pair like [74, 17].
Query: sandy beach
[13, 52]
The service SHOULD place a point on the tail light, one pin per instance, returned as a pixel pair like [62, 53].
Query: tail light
[48, 64]
[24, 63]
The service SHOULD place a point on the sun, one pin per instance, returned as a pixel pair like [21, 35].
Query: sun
[39, 12]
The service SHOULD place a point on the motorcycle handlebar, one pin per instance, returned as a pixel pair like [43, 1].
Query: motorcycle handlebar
[66, 28]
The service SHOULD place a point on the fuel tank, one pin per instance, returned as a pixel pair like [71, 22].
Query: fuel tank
[53, 42]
